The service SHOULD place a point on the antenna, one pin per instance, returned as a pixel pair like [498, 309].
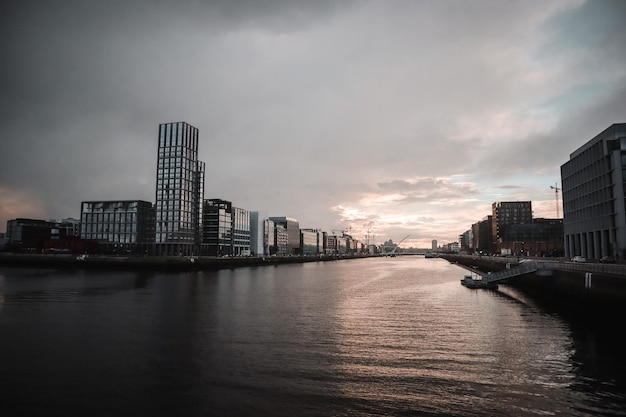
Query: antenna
[556, 193]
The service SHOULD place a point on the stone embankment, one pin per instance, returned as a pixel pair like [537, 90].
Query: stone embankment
[589, 290]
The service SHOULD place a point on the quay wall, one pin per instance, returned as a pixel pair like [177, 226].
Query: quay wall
[580, 290]
[155, 263]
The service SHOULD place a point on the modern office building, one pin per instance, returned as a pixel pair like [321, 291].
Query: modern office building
[28, 234]
[179, 191]
[593, 189]
[311, 242]
[261, 234]
[225, 229]
[41, 236]
[125, 226]
[293, 231]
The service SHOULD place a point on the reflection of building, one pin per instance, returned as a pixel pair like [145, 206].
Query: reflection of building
[225, 229]
[594, 186]
[292, 227]
[179, 190]
[118, 226]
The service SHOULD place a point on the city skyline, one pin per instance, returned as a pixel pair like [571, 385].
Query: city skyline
[390, 118]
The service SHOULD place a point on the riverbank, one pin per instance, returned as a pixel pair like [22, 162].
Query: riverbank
[588, 291]
[181, 263]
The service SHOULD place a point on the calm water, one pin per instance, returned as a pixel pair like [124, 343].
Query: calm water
[369, 337]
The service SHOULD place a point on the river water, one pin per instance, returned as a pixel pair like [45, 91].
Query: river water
[364, 337]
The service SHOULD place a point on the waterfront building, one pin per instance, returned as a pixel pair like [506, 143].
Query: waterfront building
[330, 244]
[120, 226]
[466, 242]
[225, 229]
[241, 232]
[594, 200]
[293, 231]
[261, 235]
[257, 247]
[179, 190]
[433, 245]
[504, 214]
[311, 241]
[28, 234]
[482, 236]
[41, 236]
[542, 237]
[281, 240]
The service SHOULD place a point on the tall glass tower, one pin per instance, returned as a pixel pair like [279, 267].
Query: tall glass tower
[179, 190]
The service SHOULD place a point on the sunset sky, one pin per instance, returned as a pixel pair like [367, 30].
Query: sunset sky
[397, 117]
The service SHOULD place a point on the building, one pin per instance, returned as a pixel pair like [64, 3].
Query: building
[433, 245]
[281, 241]
[466, 241]
[28, 234]
[261, 234]
[505, 214]
[293, 232]
[41, 236]
[542, 237]
[482, 236]
[225, 229]
[119, 227]
[311, 242]
[593, 190]
[179, 191]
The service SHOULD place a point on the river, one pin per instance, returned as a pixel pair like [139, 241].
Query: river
[362, 337]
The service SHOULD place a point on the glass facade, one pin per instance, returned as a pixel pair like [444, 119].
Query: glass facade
[117, 222]
[179, 189]
[293, 233]
[310, 242]
[225, 230]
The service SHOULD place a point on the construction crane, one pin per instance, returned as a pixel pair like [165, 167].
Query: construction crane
[556, 192]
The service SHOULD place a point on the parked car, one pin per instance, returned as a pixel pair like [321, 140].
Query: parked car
[579, 259]
[607, 260]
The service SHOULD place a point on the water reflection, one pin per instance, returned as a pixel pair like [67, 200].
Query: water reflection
[363, 337]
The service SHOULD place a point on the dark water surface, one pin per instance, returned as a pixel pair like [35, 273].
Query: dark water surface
[366, 337]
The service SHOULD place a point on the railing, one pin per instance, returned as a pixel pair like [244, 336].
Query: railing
[524, 268]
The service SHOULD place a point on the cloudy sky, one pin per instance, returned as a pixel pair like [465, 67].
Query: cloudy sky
[393, 117]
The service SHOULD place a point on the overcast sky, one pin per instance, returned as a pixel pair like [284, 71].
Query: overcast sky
[397, 117]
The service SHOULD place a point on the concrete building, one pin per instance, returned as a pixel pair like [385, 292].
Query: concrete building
[179, 190]
[124, 226]
[593, 190]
